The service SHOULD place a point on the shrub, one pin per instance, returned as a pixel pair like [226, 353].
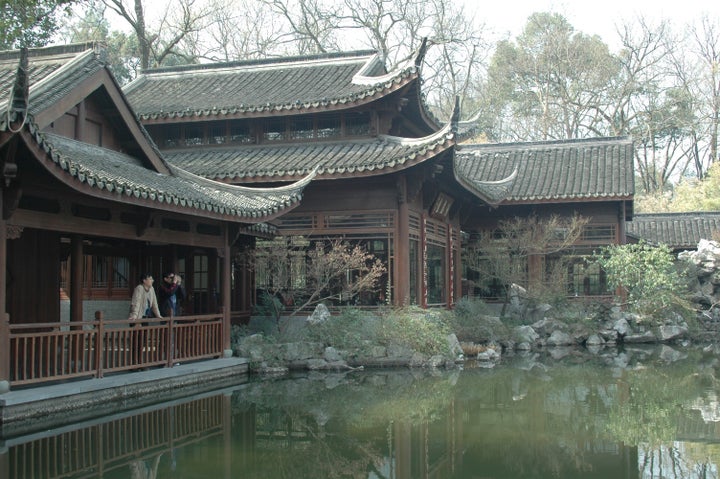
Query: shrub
[647, 274]
[471, 322]
[424, 331]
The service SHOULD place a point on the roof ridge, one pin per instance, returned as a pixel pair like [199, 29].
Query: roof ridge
[677, 213]
[545, 143]
[71, 48]
[260, 62]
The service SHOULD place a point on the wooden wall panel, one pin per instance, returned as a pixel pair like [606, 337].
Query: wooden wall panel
[34, 277]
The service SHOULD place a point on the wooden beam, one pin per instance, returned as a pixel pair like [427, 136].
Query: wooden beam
[95, 228]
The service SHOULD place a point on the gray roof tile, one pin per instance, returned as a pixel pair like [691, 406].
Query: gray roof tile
[336, 159]
[677, 230]
[119, 176]
[547, 171]
[293, 84]
[52, 74]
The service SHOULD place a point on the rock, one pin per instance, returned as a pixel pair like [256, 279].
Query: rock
[332, 355]
[609, 335]
[397, 351]
[523, 346]
[646, 337]
[525, 334]
[417, 360]
[488, 355]
[545, 326]
[594, 340]
[319, 315]
[671, 332]
[538, 312]
[454, 345]
[559, 338]
[621, 326]
[436, 361]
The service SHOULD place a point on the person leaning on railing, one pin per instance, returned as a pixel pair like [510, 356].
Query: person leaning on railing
[143, 304]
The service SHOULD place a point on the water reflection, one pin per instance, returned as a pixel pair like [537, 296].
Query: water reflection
[631, 416]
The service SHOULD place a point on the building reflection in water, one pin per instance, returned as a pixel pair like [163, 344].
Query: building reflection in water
[305, 429]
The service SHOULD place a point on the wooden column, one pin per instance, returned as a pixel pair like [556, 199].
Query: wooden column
[423, 270]
[76, 275]
[401, 275]
[4, 320]
[226, 291]
[458, 266]
[449, 268]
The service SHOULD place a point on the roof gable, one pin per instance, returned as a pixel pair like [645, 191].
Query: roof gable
[105, 173]
[60, 78]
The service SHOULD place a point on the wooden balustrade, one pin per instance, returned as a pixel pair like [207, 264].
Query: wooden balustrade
[114, 447]
[43, 352]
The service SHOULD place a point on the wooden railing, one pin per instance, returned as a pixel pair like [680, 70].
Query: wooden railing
[43, 352]
[119, 446]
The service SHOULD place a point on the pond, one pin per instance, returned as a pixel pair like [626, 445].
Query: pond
[637, 413]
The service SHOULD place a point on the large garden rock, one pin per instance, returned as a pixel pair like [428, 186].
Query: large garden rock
[319, 315]
[671, 332]
[621, 326]
[525, 334]
[456, 350]
[560, 338]
[646, 337]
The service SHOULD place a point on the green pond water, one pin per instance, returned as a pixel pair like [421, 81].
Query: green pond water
[638, 413]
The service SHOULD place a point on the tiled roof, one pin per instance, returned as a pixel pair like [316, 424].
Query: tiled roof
[121, 177]
[677, 230]
[52, 74]
[294, 84]
[547, 171]
[337, 159]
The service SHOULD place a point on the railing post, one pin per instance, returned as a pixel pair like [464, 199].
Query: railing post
[169, 341]
[4, 353]
[100, 343]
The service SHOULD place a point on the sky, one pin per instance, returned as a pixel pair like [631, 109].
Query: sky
[587, 16]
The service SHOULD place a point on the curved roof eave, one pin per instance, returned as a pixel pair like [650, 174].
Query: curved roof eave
[381, 156]
[178, 193]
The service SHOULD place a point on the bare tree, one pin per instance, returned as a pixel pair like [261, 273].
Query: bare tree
[240, 30]
[293, 273]
[164, 41]
[706, 38]
[503, 256]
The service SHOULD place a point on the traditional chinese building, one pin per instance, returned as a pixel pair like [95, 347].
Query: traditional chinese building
[389, 175]
[89, 204]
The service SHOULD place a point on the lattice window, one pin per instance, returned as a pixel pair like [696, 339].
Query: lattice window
[364, 220]
[241, 133]
[328, 126]
[301, 128]
[217, 133]
[194, 135]
[357, 123]
[274, 130]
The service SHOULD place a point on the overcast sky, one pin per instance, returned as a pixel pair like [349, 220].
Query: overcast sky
[591, 17]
